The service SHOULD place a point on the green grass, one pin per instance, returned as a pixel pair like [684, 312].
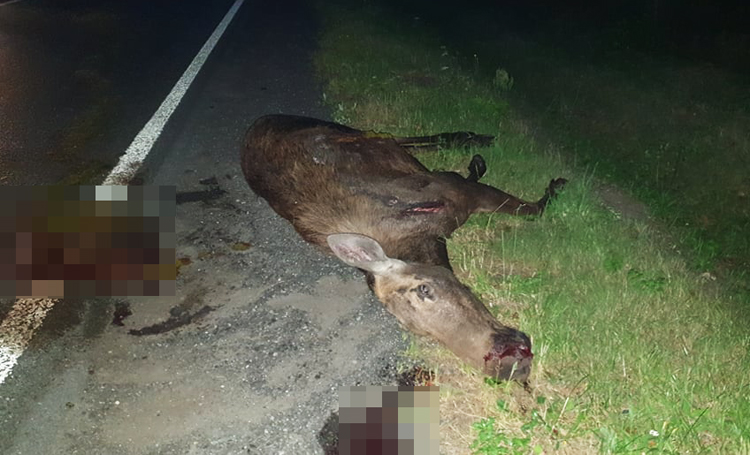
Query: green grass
[675, 132]
[635, 349]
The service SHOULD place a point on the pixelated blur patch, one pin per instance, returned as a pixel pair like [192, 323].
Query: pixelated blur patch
[399, 420]
[87, 241]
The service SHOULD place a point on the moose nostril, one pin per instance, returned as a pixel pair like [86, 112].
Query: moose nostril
[519, 351]
[510, 357]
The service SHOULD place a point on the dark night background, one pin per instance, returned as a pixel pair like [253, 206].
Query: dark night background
[716, 32]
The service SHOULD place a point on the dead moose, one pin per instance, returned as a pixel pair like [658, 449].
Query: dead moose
[379, 209]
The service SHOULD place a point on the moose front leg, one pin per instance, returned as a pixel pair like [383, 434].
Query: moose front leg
[490, 199]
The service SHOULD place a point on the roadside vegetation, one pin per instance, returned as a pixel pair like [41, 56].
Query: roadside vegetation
[638, 346]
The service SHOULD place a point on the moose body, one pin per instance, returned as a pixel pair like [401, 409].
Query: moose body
[367, 200]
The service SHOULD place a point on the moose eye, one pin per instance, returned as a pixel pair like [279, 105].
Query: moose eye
[424, 292]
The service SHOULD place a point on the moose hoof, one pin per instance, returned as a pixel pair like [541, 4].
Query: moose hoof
[556, 185]
[477, 168]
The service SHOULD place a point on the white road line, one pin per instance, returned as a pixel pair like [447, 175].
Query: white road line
[6, 4]
[131, 161]
[18, 327]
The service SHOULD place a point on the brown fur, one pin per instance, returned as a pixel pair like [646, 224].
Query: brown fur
[326, 178]
[329, 179]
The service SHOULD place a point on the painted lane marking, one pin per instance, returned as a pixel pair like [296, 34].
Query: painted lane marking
[26, 316]
[10, 2]
[17, 329]
[131, 161]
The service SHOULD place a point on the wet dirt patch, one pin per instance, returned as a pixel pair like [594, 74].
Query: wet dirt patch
[328, 436]
[64, 314]
[122, 311]
[179, 318]
[200, 196]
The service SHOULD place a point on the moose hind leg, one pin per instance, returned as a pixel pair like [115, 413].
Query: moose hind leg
[554, 186]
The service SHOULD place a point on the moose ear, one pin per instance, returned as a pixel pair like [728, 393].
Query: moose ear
[362, 252]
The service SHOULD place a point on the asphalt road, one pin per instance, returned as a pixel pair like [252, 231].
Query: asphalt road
[78, 79]
[249, 355]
